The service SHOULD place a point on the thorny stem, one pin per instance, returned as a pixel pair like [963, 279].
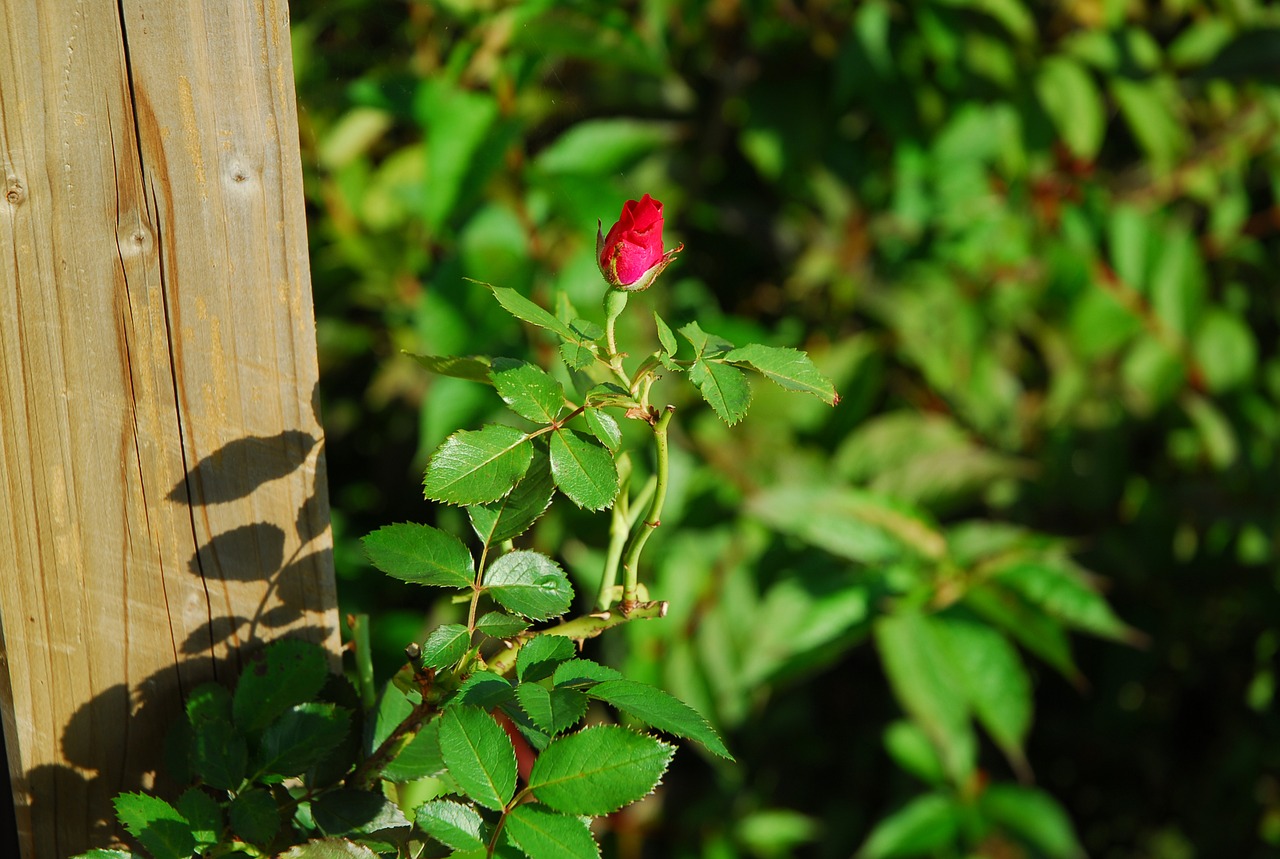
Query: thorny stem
[653, 518]
[475, 590]
[579, 629]
[359, 624]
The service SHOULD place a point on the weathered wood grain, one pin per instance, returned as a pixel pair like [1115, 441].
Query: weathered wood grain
[162, 497]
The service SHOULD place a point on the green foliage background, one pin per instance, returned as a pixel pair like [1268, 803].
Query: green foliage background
[1034, 243]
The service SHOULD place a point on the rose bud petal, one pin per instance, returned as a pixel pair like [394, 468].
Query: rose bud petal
[631, 255]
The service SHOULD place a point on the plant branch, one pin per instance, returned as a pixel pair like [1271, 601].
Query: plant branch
[371, 767]
[579, 629]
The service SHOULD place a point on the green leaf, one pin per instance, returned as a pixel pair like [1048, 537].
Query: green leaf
[445, 645]
[528, 390]
[453, 824]
[924, 825]
[479, 755]
[1062, 590]
[603, 147]
[665, 336]
[911, 750]
[476, 467]
[724, 387]
[1225, 350]
[475, 369]
[552, 710]
[608, 394]
[790, 369]
[541, 654]
[329, 848]
[284, 674]
[997, 686]
[358, 813]
[660, 710]
[529, 584]
[921, 676]
[705, 345]
[582, 673]
[300, 739]
[1033, 816]
[515, 513]
[605, 428]
[584, 471]
[421, 758]
[103, 853]
[1027, 624]
[254, 816]
[156, 824]
[850, 523]
[497, 624]
[203, 813]
[543, 834]
[453, 159]
[598, 770]
[522, 308]
[1072, 100]
[420, 554]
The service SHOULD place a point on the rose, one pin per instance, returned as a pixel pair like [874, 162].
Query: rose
[631, 255]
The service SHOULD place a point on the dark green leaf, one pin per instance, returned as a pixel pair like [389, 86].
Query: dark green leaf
[604, 427]
[554, 710]
[529, 584]
[445, 645]
[604, 147]
[484, 690]
[1027, 624]
[724, 387]
[254, 816]
[159, 826]
[219, 754]
[453, 824]
[420, 554]
[477, 467]
[522, 308]
[497, 624]
[788, 368]
[577, 355]
[543, 834]
[580, 673]
[660, 710]
[301, 738]
[474, 369]
[924, 825]
[208, 702]
[479, 755]
[598, 770]
[513, 514]
[358, 813]
[541, 654]
[285, 673]
[203, 813]
[528, 390]
[584, 471]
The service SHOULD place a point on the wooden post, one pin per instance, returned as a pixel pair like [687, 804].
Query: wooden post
[162, 496]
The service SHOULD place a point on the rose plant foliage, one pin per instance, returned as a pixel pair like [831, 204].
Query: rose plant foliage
[498, 738]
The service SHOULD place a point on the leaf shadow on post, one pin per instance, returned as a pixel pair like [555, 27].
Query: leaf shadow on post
[114, 743]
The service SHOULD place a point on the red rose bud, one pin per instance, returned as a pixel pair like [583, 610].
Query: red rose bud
[631, 255]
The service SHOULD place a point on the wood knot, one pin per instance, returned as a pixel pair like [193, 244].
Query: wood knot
[16, 194]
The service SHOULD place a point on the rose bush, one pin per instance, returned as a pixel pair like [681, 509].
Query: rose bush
[631, 255]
